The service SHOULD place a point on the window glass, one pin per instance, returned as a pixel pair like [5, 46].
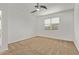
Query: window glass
[47, 22]
[55, 20]
[52, 23]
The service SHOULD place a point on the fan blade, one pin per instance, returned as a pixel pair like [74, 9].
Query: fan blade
[33, 11]
[36, 6]
[43, 7]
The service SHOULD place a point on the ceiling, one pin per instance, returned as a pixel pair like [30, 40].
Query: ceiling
[53, 8]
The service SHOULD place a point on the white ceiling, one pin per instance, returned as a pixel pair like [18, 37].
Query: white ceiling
[53, 8]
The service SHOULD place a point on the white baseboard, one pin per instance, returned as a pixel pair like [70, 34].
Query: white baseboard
[26, 37]
[76, 44]
[55, 37]
[3, 50]
[30, 36]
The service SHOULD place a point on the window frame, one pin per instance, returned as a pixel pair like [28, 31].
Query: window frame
[50, 25]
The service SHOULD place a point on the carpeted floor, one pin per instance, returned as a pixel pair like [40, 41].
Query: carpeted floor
[41, 46]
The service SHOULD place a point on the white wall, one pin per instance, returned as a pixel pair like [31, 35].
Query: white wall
[20, 23]
[65, 31]
[17, 23]
[76, 25]
[0, 37]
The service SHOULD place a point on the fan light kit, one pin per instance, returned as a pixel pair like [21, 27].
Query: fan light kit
[38, 9]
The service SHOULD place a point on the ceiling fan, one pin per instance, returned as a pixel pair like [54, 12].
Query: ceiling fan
[38, 7]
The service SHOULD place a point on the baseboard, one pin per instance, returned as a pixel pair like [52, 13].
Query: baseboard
[55, 38]
[3, 50]
[76, 44]
[28, 37]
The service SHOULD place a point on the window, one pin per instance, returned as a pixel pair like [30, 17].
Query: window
[47, 24]
[52, 23]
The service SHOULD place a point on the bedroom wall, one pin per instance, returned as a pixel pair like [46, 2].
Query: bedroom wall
[65, 31]
[0, 28]
[20, 23]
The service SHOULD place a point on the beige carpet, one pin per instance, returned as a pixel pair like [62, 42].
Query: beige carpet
[42, 46]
